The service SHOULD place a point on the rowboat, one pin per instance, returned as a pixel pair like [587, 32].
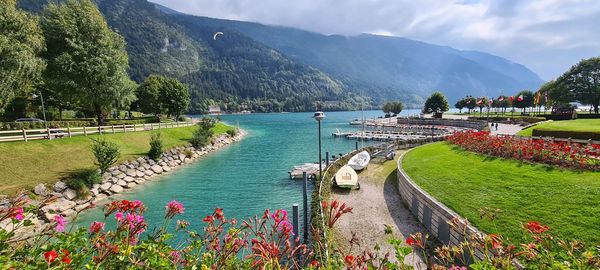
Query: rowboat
[359, 161]
[346, 177]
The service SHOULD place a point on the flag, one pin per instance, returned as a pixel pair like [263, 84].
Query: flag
[511, 98]
[536, 99]
[501, 98]
[468, 101]
[491, 101]
[520, 98]
[479, 101]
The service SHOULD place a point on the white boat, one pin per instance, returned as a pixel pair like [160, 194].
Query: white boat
[346, 177]
[360, 161]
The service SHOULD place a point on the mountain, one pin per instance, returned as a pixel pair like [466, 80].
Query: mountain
[389, 67]
[272, 68]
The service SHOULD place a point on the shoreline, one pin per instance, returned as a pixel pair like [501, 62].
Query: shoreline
[61, 200]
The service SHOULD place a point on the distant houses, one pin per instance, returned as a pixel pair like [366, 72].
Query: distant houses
[214, 110]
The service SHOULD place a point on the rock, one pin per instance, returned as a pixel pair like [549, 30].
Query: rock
[187, 160]
[178, 161]
[140, 180]
[70, 194]
[166, 168]
[162, 163]
[123, 168]
[106, 175]
[135, 164]
[68, 212]
[151, 162]
[141, 160]
[56, 194]
[169, 159]
[121, 176]
[105, 186]
[95, 191]
[139, 174]
[58, 206]
[146, 166]
[122, 183]
[60, 186]
[157, 169]
[172, 164]
[96, 186]
[80, 207]
[149, 173]
[181, 157]
[128, 179]
[99, 198]
[115, 172]
[116, 189]
[131, 172]
[130, 166]
[40, 190]
[131, 184]
[49, 217]
[195, 156]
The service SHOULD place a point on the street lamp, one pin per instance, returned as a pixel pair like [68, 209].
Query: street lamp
[34, 96]
[320, 116]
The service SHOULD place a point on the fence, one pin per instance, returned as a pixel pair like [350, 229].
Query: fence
[53, 133]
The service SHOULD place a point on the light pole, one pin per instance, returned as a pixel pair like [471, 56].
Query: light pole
[320, 116]
[43, 108]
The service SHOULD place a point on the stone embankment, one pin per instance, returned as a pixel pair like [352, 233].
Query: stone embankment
[59, 199]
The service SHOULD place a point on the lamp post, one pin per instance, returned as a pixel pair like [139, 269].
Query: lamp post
[320, 116]
[43, 108]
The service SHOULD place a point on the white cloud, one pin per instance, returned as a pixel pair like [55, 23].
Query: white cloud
[548, 36]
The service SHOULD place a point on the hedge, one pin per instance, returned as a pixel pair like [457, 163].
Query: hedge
[582, 135]
[528, 119]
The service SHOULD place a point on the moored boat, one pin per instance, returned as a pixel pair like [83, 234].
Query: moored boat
[346, 177]
[359, 161]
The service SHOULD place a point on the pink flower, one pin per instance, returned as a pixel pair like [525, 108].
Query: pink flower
[174, 208]
[119, 216]
[457, 268]
[18, 214]
[60, 223]
[175, 257]
[96, 226]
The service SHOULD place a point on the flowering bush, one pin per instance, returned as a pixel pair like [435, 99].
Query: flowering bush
[563, 154]
[265, 242]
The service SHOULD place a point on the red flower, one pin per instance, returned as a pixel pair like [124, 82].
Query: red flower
[96, 226]
[536, 227]
[208, 219]
[50, 256]
[66, 258]
[314, 263]
[219, 213]
[410, 241]
[349, 260]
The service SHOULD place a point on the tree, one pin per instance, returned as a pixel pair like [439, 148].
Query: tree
[175, 97]
[582, 82]
[106, 153]
[436, 103]
[526, 100]
[470, 103]
[387, 108]
[148, 95]
[21, 42]
[460, 105]
[87, 61]
[397, 107]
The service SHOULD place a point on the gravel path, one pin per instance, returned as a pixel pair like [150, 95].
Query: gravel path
[375, 205]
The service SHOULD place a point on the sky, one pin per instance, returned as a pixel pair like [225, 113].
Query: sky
[547, 36]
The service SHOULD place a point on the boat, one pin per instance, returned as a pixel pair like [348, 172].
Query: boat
[311, 169]
[360, 161]
[346, 177]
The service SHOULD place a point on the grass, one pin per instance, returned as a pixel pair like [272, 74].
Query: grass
[26, 164]
[466, 182]
[587, 125]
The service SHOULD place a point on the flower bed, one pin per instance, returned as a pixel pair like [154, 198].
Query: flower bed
[562, 154]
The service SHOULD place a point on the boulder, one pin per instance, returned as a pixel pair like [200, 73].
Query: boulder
[131, 172]
[140, 180]
[123, 168]
[121, 176]
[49, 217]
[131, 184]
[149, 173]
[166, 168]
[116, 189]
[146, 166]
[70, 194]
[95, 191]
[195, 156]
[60, 186]
[99, 198]
[130, 166]
[68, 212]
[115, 172]
[169, 159]
[141, 160]
[135, 163]
[122, 183]
[128, 179]
[187, 160]
[105, 186]
[181, 157]
[58, 206]
[80, 207]
[162, 163]
[157, 169]
[40, 190]
[151, 162]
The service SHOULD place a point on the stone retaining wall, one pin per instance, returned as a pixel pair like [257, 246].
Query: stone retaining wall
[474, 124]
[434, 215]
[66, 202]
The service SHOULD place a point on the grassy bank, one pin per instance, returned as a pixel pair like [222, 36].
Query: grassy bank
[466, 182]
[577, 125]
[25, 164]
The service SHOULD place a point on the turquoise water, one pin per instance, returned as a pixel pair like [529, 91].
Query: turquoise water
[248, 176]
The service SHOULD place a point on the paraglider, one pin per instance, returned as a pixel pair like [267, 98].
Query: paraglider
[217, 34]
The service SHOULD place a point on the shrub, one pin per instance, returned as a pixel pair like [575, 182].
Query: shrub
[182, 118]
[188, 153]
[156, 146]
[202, 136]
[106, 153]
[82, 179]
[232, 132]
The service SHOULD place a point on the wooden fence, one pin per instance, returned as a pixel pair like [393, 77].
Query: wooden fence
[68, 132]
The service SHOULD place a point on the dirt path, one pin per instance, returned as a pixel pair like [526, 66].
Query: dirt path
[376, 204]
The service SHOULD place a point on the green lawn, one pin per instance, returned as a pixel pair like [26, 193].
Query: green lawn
[568, 201]
[588, 125]
[25, 164]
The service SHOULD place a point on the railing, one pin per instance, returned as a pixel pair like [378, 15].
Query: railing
[68, 132]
